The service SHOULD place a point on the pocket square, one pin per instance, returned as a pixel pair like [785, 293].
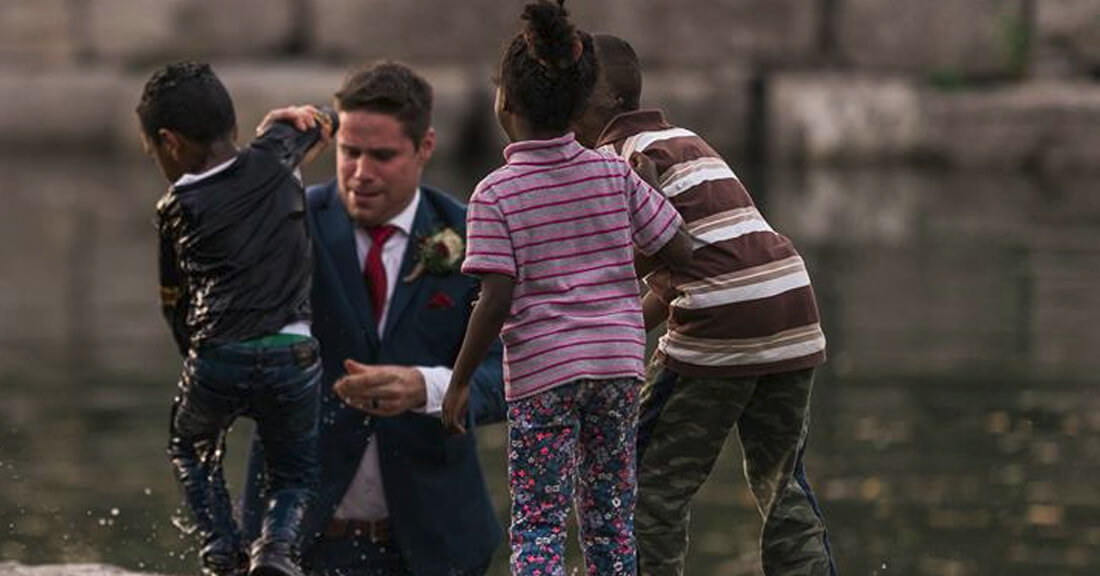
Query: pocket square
[440, 300]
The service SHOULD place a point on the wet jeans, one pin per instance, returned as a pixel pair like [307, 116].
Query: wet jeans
[278, 387]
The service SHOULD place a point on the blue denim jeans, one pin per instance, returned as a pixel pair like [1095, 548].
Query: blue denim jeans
[277, 387]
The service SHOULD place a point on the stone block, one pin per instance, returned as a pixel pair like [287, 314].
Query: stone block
[127, 30]
[1068, 37]
[672, 33]
[946, 39]
[59, 108]
[663, 31]
[1045, 125]
[841, 117]
[143, 31]
[36, 33]
[472, 33]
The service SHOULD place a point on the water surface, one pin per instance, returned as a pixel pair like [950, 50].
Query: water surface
[956, 426]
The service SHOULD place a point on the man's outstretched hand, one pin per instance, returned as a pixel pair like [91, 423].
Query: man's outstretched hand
[384, 390]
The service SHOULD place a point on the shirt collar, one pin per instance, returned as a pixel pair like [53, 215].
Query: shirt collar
[404, 219]
[628, 124]
[192, 178]
[543, 151]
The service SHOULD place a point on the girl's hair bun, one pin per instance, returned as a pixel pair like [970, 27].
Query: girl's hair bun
[550, 37]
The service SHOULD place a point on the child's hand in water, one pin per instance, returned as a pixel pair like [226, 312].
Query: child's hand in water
[454, 407]
[645, 168]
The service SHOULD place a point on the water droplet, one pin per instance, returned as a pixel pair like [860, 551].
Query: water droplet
[114, 512]
[147, 491]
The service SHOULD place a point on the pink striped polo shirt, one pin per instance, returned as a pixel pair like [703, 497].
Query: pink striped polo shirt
[563, 221]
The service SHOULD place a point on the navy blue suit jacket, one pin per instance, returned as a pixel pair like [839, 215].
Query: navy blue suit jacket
[441, 518]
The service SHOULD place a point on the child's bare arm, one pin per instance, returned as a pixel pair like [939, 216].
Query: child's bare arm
[490, 312]
[676, 254]
[654, 311]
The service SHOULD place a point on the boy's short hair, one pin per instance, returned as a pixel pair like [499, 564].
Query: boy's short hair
[188, 98]
[620, 69]
[389, 88]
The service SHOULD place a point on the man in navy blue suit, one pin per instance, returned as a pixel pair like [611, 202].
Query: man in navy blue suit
[398, 495]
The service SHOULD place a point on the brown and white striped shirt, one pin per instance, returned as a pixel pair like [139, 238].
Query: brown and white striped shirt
[744, 307]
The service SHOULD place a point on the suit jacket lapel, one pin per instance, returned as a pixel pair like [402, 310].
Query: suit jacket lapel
[424, 224]
[338, 233]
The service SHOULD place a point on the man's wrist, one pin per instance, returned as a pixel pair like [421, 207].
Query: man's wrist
[436, 379]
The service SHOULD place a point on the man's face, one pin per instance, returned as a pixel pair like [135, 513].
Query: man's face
[378, 167]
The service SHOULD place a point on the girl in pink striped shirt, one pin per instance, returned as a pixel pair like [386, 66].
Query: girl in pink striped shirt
[552, 234]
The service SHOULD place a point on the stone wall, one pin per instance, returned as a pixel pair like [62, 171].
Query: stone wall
[1006, 83]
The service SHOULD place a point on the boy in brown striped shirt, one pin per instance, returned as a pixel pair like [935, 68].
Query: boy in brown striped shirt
[742, 341]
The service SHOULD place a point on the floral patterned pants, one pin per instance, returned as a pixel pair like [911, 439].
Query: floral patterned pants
[574, 444]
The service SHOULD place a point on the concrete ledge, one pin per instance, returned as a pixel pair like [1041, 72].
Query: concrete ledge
[957, 38]
[13, 569]
[1048, 125]
[476, 31]
[1067, 37]
[140, 31]
[812, 118]
[36, 32]
[59, 108]
[841, 118]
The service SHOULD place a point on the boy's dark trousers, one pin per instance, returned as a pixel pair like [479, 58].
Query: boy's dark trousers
[278, 387]
[683, 424]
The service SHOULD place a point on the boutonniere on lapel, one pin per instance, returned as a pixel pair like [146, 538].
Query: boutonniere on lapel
[440, 253]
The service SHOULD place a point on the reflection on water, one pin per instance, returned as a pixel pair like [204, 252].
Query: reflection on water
[956, 426]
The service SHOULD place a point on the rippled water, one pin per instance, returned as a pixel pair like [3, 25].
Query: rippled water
[956, 427]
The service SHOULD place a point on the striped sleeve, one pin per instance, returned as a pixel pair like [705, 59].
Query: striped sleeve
[488, 243]
[653, 219]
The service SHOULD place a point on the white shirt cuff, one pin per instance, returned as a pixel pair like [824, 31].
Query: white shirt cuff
[436, 380]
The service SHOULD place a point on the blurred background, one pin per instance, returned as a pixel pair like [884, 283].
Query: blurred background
[936, 163]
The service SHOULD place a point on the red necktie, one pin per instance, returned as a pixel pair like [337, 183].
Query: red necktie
[374, 272]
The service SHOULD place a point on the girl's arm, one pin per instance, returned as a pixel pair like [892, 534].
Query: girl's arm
[490, 312]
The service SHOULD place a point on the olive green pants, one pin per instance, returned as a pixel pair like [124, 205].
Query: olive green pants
[683, 424]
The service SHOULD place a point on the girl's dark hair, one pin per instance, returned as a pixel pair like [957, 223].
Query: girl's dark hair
[187, 97]
[549, 69]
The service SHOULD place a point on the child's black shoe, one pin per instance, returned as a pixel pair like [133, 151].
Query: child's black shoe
[223, 557]
[274, 559]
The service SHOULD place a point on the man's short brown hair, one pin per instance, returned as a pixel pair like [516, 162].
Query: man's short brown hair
[389, 88]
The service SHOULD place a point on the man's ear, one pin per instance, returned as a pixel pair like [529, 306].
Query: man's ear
[427, 146]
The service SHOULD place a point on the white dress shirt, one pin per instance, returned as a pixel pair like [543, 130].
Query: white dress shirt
[365, 498]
